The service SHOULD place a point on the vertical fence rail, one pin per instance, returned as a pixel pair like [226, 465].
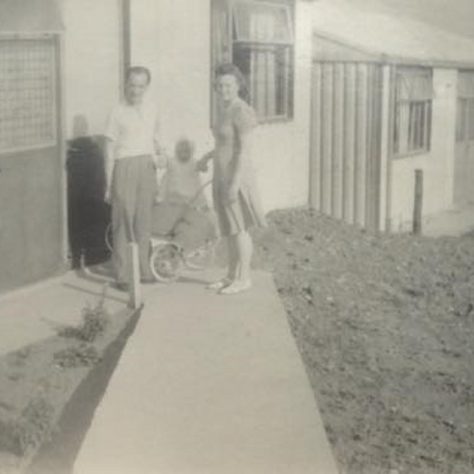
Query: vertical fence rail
[326, 138]
[346, 141]
[418, 204]
[369, 163]
[361, 145]
[349, 141]
[338, 141]
[315, 163]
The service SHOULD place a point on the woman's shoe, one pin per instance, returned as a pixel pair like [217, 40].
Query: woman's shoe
[237, 286]
[220, 284]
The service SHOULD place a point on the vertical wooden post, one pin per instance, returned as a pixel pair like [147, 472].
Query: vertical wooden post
[134, 275]
[418, 204]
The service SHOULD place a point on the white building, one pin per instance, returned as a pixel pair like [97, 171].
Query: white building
[61, 72]
[390, 96]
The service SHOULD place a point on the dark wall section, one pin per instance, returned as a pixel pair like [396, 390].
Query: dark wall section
[88, 214]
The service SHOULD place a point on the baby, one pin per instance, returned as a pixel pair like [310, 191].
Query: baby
[181, 186]
[181, 182]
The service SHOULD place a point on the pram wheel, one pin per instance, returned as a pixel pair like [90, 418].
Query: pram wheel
[166, 261]
[108, 237]
[200, 257]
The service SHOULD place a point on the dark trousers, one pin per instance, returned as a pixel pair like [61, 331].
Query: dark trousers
[133, 194]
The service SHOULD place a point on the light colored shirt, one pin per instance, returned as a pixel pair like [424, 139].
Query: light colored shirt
[133, 129]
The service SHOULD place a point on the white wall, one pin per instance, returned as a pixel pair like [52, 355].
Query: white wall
[283, 172]
[92, 61]
[172, 37]
[437, 165]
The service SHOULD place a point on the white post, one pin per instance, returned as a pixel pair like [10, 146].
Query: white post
[134, 276]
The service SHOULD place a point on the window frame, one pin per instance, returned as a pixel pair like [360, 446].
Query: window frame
[278, 47]
[285, 6]
[410, 149]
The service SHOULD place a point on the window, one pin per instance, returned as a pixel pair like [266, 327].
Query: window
[27, 94]
[465, 107]
[258, 38]
[413, 104]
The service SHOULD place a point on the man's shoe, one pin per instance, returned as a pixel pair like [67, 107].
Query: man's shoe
[148, 281]
[120, 285]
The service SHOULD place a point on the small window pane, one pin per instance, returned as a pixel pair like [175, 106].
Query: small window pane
[414, 84]
[267, 70]
[412, 129]
[466, 84]
[261, 22]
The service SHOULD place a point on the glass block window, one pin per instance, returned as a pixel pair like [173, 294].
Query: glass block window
[27, 94]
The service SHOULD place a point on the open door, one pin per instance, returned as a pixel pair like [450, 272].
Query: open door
[31, 168]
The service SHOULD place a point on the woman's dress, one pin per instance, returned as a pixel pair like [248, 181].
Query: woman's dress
[234, 122]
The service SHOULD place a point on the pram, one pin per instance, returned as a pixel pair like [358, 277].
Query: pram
[183, 236]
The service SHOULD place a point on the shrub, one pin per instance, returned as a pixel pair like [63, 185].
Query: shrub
[94, 322]
[83, 355]
[33, 427]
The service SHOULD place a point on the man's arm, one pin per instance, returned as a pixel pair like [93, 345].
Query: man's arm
[111, 136]
[109, 167]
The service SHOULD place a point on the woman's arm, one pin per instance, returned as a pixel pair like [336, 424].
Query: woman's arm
[240, 158]
[244, 121]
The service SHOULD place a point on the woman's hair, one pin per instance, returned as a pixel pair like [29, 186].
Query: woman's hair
[229, 69]
[138, 70]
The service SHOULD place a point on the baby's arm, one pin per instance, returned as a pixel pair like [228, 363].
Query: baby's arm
[202, 164]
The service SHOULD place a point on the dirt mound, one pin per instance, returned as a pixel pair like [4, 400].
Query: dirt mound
[385, 326]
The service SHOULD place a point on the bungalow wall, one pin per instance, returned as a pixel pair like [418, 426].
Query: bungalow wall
[92, 63]
[437, 164]
[177, 48]
[334, 165]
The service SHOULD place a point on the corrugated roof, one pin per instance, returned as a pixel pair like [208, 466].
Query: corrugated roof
[30, 16]
[390, 38]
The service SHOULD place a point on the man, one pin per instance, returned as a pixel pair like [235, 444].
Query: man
[132, 141]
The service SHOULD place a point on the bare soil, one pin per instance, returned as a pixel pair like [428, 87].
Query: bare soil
[385, 327]
[38, 381]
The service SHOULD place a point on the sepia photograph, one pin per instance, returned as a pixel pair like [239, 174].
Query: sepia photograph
[236, 236]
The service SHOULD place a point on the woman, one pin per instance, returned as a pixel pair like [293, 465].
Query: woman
[234, 190]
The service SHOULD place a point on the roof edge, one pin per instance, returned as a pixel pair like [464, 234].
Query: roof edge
[378, 56]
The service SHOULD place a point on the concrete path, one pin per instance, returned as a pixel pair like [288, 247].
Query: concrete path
[34, 313]
[208, 384]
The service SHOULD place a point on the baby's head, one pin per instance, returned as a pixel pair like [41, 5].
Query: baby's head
[184, 150]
